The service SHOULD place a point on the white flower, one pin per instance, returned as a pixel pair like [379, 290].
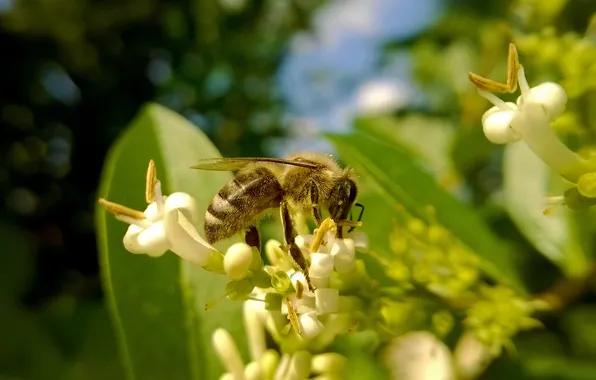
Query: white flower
[529, 120]
[168, 223]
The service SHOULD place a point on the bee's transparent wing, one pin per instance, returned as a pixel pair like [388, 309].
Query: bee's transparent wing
[237, 163]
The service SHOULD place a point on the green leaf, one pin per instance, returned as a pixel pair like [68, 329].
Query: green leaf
[525, 189]
[158, 304]
[390, 177]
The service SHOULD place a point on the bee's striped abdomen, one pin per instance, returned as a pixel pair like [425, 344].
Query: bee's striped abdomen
[240, 201]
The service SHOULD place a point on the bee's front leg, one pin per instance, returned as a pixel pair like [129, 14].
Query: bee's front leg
[253, 238]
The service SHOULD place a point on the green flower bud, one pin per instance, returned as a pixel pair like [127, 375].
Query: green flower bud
[586, 185]
[575, 201]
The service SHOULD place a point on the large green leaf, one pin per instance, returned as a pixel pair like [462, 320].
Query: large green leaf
[390, 177]
[158, 304]
[525, 189]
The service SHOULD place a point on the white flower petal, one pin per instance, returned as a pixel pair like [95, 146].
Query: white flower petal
[327, 300]
[344, 263]
[321, 265]
[343, 246]
[184, 239]
[184, 203]
[152, 213]
[497, 125]
[310, 326]
[360, 240]
[319, 282]
[151, 240]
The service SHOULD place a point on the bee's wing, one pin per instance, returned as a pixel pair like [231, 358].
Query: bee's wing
[237, 163]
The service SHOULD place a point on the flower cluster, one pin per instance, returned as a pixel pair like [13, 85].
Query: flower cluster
[427, 255]
[529, 119]
[498, 315]
[300, 310]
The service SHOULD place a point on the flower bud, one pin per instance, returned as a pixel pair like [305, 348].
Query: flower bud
[418, 355]
[329, 362]
[269, 361]
[300, 365]
[496, 125]
[343, 246]
[586, 185]
[551, 96]
[228, 352]
[321, 265]
[327, 300]
[253, 371]
[310, 326]
[237, 260]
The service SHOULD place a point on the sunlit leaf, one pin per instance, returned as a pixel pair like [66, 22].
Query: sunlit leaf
[390, 177]
[525, 189]
[158, 304]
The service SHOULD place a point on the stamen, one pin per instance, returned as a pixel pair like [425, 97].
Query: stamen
[327, 225]
[512, 68]
[151, 179]
[292, 316]
[120, 210]
[512, 73]
[299, 290]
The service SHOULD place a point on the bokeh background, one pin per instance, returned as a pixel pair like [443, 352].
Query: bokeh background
[260, 77]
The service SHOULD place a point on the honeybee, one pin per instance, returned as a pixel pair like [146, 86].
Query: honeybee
[305, 182]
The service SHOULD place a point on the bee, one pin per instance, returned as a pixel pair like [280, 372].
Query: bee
[305, 182]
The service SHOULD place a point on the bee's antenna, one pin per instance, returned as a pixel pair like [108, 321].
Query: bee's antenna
[359, 215]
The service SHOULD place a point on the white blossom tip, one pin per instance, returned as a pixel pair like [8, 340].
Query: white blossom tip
[310, 326]
[551, 96]
[237, 260]
[228, 353]
[496, 125]
[327, 300]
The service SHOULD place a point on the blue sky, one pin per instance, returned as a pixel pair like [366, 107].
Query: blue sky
[334, 71]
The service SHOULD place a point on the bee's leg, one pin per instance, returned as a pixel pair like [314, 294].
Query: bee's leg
[253, 238]
[314, 198]
[290, 236]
